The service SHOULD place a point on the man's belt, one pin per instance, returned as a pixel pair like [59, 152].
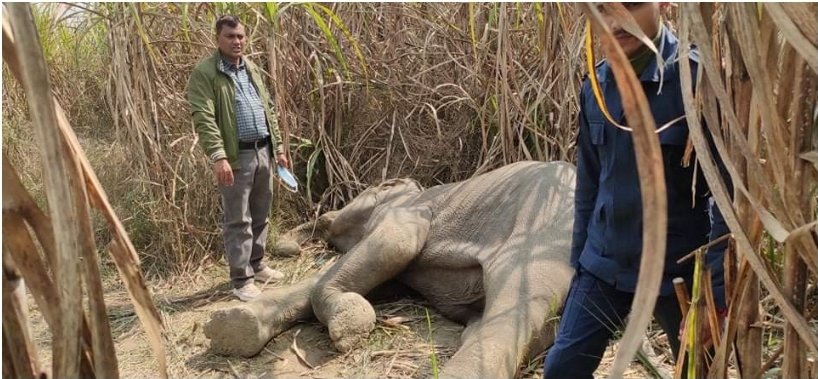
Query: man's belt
[254, 145]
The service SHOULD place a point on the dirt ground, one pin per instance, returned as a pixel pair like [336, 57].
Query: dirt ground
[400, 346]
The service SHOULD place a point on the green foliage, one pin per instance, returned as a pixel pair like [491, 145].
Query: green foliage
[432, 352]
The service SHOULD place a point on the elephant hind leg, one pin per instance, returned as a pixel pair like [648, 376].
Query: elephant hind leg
[462, 313]
[496, 344]
[516, 325]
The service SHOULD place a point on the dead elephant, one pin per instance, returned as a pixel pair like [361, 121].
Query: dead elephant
[490, 252]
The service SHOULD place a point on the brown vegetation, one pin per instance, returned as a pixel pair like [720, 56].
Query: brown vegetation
[435, 91]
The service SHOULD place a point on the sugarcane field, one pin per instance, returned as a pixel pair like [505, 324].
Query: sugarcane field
[410, 190]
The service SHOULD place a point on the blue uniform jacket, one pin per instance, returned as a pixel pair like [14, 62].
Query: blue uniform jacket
[608, 221]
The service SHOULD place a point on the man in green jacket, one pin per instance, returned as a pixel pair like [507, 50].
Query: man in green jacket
[238, 130]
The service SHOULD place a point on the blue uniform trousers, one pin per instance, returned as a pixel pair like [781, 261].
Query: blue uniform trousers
[593, 312]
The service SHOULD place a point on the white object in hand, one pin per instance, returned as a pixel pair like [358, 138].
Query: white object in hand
[287, 179]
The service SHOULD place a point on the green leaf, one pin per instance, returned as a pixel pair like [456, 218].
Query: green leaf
[311, 168]
[185, 22]
[140, 29]
[325, 29]
[352, 41]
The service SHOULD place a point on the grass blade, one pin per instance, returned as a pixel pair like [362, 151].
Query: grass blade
[325, 29]
[357, 48]
[792, 34]
[432, 352]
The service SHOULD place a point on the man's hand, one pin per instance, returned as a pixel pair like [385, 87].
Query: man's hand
[282, 161]
[223, 172]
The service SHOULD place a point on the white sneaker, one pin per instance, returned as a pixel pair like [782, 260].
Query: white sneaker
[247, 293]
[269, 275]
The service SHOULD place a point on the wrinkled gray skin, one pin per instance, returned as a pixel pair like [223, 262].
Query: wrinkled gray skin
[490, 252]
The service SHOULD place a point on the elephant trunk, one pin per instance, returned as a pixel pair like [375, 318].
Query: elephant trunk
[288, 244]
[245, 330]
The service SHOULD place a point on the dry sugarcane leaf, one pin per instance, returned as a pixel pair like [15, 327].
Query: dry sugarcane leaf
[746, 28]
[102, 343]
[695, 23]
[652, 184]
[100, 338]
[140, 296]
[18, 201]
[795, 283]
[749, 341]
[773, 225]
[16, 336]
[134, 281]
[769, 45]
[808, 249]
[719, 191]
[812, 157]
[718, 368]
[709, 300]
[19, 248]
[299, 352]
[59, 187]
[803, 15]
[82, 240]
[793, 34]
[396, 322]
[800, 85]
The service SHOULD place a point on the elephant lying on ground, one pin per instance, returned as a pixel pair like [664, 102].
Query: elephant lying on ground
[490, 252]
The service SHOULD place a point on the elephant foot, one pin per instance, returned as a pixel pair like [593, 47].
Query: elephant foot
[235, 332]
[351, 320]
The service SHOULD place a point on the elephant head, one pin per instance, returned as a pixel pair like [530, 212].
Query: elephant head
[345, 227]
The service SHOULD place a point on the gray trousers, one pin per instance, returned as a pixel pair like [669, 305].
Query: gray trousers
[246, 205]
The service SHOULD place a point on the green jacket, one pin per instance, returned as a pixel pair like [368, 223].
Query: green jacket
[212, 98]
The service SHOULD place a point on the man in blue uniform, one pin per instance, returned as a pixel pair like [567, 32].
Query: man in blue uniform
[607, 239]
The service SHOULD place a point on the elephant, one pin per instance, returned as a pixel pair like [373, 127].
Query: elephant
[490, 252]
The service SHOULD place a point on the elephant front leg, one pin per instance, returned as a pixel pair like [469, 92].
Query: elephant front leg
[245, 329]
[384, 253]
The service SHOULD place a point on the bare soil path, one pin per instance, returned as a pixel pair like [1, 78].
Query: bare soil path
[400, 347]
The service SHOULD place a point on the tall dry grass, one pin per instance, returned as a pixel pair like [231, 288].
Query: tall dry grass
[439, 92]
[365, 92]
[49, 252]
[760, 65]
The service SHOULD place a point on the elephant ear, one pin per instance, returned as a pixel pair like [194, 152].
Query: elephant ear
[348, 225]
